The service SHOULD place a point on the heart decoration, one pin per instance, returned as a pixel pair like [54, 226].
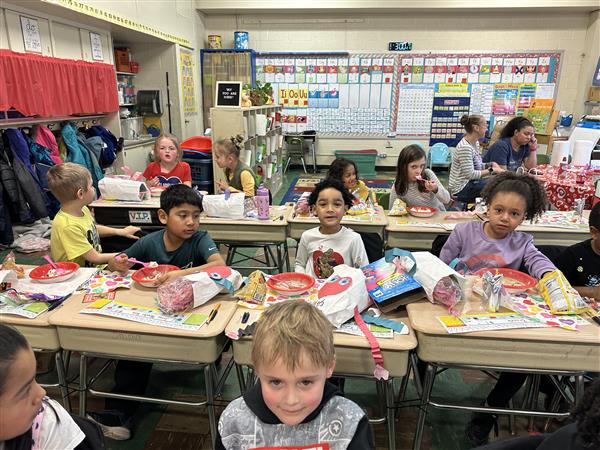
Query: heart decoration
[334, 286]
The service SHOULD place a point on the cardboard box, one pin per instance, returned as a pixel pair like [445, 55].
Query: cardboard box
[594, 94]
[122, 60]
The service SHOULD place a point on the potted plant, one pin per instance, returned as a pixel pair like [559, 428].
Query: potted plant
[260, 94]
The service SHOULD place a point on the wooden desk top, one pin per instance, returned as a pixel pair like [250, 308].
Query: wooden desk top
[68, 315]
[152, 203]
[403, 342]
[380, 219]
[279, 219]
[413, 224]
[423, 317]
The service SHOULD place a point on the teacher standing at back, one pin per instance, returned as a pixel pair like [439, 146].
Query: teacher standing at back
[516, 147]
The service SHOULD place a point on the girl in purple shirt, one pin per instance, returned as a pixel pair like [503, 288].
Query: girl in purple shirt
[510, 199]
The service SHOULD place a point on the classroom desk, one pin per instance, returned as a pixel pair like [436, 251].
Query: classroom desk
[112, 338]
[43, 338]
[234, 233]
[299, 225]
[534, 350]
[353, 357]
[420, 237]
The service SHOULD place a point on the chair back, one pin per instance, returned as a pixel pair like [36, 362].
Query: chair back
[295, 146]
[543, 159]
[438, 154]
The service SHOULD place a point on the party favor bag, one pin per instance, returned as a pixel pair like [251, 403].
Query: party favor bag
[125, 190]
[213, 281]
[227, 208]
[341, 292]
[430, 271]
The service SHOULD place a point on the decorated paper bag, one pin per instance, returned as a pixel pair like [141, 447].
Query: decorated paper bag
[212, 281]
[341, 292]
[227, 208]
[125, 190]
[430, 271]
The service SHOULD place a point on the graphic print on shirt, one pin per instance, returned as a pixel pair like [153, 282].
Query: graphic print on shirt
[483, 261]
[94, 240]
[324, 262]
[163, 181]
[593, 280]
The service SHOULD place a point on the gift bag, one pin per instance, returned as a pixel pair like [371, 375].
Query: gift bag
[227, 208]
[341, 292]
[120, 189]
[212, 281]
[430, 272]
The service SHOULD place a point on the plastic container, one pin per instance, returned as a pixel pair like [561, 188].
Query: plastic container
[261, 200]
[197, 143]
[240, 39]
[365, 160]
[202, 173]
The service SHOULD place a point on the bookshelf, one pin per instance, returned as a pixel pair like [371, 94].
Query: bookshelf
[263, 141]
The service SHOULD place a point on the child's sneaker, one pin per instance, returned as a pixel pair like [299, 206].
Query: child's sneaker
[478, 429]
[112, 425]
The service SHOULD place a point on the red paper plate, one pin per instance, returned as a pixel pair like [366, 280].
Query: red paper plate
[41, 273]
[513, 279]
[148, 275]
[421, 211]
[290, 283]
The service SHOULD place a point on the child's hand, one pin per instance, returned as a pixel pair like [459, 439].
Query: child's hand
[169, 276]
[496, 168]
[119, 264]
[431, 186]
[129, 232]
[153, 182]
[222, 185]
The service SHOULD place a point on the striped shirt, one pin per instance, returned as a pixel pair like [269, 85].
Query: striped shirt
[414, 197]
[466, 165]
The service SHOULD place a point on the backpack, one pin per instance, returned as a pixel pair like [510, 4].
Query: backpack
[109, 151]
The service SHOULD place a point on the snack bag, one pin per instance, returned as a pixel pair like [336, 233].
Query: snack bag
[9, 263]
[494, 293]
[398, 208]
[255, 290]
[559, 295]
[175, 296]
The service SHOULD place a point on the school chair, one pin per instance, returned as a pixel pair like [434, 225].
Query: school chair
[438, 155]
[543, 159]
[296, 148]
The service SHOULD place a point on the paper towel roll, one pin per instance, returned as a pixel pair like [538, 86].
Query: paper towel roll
[560, 150]
[582, 153]
[261, 124]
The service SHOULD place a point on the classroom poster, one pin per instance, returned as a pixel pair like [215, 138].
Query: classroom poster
[504, 102]
[188, 94]
[481, 100]
[415, 107]
[450, 102]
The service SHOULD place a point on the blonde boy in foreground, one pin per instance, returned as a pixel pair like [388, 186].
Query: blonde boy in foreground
[293, 404]
[75, 236]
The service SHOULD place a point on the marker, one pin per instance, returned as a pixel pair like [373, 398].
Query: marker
[213, 313]
[57, 303]
[245, 317]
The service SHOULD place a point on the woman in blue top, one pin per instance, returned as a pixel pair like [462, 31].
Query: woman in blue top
[516, 147]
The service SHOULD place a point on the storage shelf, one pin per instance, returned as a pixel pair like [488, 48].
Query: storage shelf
[127, 104]
[126, 73]
[11, 123]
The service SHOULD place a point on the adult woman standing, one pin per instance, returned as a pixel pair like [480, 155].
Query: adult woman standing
[467, 173]
[516, 147]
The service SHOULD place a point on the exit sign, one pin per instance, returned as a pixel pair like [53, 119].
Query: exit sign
[400, 46]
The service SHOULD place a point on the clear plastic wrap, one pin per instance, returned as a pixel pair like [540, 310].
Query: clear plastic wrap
[175, 296]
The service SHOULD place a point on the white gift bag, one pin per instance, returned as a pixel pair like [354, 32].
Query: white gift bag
[341, 292]
[218, 206]
[213, 281]
[125, 190]
[430, 270]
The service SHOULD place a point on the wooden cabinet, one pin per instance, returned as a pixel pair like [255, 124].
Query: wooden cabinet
[136, 158]
[262, 147]
[14, 32]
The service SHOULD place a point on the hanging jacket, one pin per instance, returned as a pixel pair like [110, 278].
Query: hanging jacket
[45, 137]
[93, 154]
[78, 153]
[20, 149]
[6, 233]
[38, 152]
[108, 154]
[15, 200]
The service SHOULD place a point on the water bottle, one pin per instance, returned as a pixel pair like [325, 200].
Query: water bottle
[261, 200]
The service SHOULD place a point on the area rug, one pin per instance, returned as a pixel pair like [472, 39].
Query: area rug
[381, 188]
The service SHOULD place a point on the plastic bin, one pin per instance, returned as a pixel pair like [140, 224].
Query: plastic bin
[202, 173]
[365, 160]
[202, 143]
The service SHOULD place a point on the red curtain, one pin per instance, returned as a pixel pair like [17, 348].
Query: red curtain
[44, 86]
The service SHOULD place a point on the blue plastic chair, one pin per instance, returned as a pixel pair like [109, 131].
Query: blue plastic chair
[438, 155]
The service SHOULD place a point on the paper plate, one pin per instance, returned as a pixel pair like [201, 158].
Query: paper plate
[148, 275]
[421, 211]
[291, 283]
[514, 280]
[156, 191]
[41, 273]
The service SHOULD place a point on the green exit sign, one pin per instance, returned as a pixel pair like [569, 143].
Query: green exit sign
[400, 46]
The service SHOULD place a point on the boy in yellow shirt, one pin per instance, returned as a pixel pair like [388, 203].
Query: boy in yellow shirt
[75, 236]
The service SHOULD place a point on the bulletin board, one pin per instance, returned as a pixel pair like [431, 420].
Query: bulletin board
[418, 95]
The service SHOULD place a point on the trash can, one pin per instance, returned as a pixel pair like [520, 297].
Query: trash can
[197, 152]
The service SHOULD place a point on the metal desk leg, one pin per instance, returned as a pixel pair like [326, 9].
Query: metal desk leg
[286, 253]
[210, 401]
[388, 387]
[62, 380]
[314, 155]
[82, 384]
[578, 388]
[239, 370]
[430, 372]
